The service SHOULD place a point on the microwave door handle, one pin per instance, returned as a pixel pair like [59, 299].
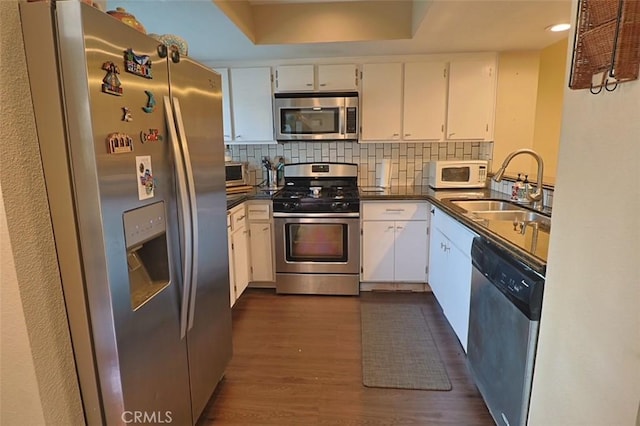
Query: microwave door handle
[342, 121]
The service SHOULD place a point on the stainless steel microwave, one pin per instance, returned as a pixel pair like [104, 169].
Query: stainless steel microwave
[316, 116]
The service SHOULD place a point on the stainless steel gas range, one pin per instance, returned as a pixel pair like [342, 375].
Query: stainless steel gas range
[317, 217]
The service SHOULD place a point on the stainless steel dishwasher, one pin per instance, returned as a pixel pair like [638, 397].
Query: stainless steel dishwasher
[504, 317]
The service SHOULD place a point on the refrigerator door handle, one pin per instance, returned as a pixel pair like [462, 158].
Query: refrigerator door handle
[187, 230]
[194, 208]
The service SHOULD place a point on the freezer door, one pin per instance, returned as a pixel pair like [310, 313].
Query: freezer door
[125, 325]
[196, 98]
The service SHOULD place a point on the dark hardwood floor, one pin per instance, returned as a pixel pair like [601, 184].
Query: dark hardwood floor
[297, 359]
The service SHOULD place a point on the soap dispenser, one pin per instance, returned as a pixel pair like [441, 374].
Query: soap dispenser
[516, 189]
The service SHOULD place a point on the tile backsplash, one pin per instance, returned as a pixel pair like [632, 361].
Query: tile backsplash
[408, 160]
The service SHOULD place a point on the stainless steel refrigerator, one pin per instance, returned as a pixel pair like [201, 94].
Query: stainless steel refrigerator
[130, 134]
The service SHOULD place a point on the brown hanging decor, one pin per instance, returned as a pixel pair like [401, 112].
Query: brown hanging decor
[606, 45]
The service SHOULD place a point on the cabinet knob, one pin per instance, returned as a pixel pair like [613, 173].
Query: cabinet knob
[433, 211]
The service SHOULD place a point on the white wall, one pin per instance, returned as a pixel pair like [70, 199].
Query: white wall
[588, 365]
[38, 383]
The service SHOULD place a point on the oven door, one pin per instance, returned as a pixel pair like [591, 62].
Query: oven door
[319, 244]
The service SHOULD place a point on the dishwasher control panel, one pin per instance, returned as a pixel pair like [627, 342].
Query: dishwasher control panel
[515, 280]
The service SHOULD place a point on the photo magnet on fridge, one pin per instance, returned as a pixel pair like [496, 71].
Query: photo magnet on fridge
[146, 183]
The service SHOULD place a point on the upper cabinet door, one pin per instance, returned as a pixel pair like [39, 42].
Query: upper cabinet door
[252, 104]
[471, 105]
[425, 99]
[381, 103]
[294, 78]
[340, 77]
[226, 105]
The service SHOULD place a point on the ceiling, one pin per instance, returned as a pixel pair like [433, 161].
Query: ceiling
[265, 30]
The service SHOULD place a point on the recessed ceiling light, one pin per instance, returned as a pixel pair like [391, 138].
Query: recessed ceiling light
[558, 27]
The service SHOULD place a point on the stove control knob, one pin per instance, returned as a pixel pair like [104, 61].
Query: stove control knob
[289, 206]
[339, 206]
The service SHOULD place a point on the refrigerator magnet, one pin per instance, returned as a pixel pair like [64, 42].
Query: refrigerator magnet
[137, 64]
[153, 136]
[119, 143]
[146, 184]
[151, 102]
[111, 82]
[126, 114]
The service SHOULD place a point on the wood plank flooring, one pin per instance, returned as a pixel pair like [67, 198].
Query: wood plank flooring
[297, 361]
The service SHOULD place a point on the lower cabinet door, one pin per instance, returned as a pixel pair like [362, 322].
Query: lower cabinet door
[410, 251]
[438, 266]
[232, 278]
[378, 239]
[261, 252]
[240, 259]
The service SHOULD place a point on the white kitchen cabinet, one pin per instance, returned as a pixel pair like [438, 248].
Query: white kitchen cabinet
[394, 242]
[227, 125]
[381, 102]
[261, 241]
[294, 78]
[338, 77]
[450, 270]
[232, 283]
[471, 100]
[424, 103]
[239, 253]
[404, 102]
[305, 78]
[251, 105]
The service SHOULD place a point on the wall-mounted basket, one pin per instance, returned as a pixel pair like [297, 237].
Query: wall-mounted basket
[606, 45]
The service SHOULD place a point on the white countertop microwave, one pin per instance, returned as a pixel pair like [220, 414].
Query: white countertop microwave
[458, 174]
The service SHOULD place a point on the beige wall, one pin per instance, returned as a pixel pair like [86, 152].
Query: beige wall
[38, 381]
[588, 362]
[515, 107]
[551, 83]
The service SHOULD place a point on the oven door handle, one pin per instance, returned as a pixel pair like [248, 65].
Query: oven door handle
[320, 215]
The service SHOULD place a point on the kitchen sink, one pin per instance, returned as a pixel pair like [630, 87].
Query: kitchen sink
[501, 210]
[485, 205]
[519, 215]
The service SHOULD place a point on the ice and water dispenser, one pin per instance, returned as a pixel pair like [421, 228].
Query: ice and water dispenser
[147, 257]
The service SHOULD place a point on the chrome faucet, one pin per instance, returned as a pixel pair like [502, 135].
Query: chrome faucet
[537, 196]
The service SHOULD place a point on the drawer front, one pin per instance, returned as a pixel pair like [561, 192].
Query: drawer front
[394, 211]
[259, 211]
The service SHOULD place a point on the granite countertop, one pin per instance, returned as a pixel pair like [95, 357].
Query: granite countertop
[530, 251]
[502, 233]
[257, 193]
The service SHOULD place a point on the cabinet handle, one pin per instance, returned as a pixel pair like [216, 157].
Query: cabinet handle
[264, 229]
[389, 227]
[394, 210]
[407, 134]
[240, 218]
[323, 84]
[451, 134]
[238, 136]
[309, 84]
[399, 227]
[433, 211]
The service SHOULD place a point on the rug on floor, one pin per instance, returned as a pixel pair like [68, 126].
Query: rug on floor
[398, 350]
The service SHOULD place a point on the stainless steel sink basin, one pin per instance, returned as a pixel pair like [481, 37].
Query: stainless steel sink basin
[485, 205]
[501, 210]
[520, 215]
